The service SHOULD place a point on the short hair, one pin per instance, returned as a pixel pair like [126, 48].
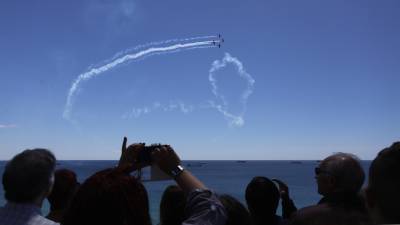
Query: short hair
[65, 186]
[347, 171]
[28, 175]
[172, 206]
[384, 182]
[110, 196]
[236, 212]
[262, 197]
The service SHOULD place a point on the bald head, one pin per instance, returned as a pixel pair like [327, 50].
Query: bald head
[346, 171]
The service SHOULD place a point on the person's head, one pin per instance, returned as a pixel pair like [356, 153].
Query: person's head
[237, 213]
[339, 173]
[262, 197]
[110, 196]
[172, 206]
[383, 190]
[29, 176]
[64, 188]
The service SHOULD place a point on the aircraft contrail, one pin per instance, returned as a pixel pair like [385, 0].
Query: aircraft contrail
[92, 72]
[8, 125]
[220, 103]
[236, 120]
[173, 105]
[155, 43]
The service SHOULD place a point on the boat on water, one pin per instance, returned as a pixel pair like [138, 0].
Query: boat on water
[241, 161]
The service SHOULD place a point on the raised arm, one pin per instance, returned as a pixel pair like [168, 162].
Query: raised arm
[288, 206]
[203, 206]
[129, 156]
[169, 162]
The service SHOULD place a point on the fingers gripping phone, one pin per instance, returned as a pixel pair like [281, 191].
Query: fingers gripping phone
[152, 173]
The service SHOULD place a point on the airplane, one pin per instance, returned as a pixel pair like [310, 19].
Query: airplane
[221, 40]
[217, 44]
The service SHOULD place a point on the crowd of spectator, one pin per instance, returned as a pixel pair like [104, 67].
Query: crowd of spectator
[114, 196]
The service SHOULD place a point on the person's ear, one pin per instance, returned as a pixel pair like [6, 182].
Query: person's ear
[51, 184]
[331, 183]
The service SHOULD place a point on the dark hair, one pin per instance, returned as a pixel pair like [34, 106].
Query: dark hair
[28, 175]
[262, 197]
[110, 196]
[64, 188]
[236, 212]
[384, 182]
[172, 206]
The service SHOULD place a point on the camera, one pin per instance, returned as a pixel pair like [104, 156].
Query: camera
[145, 154]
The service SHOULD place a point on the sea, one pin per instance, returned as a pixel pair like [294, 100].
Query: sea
[224, 177]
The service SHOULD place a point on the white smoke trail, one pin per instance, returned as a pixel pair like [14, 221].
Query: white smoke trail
[235, 120]
[155, 43]
[7, 126]
[223, 107]
[173, 105]
[126, 58]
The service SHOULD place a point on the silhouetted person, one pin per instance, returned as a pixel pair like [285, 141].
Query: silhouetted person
[110, 196]
[383, 191]
[27, 180]
[325, 215]
[113, 196]
[172, 206]
[237, 212]
[65, 186]
[339, 178]
[262, 197]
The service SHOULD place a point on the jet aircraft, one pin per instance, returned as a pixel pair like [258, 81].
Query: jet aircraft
[219, 41]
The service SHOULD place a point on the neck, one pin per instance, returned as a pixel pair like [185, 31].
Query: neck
[38, 202]
[341, 193]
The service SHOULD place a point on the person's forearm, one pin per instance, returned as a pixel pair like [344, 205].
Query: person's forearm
[204, 208]
[188, 182]
[288, 208]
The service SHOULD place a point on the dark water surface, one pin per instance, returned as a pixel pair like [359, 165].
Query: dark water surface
[229, 177]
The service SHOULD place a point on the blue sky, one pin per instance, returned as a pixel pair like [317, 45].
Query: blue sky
[326, 77]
